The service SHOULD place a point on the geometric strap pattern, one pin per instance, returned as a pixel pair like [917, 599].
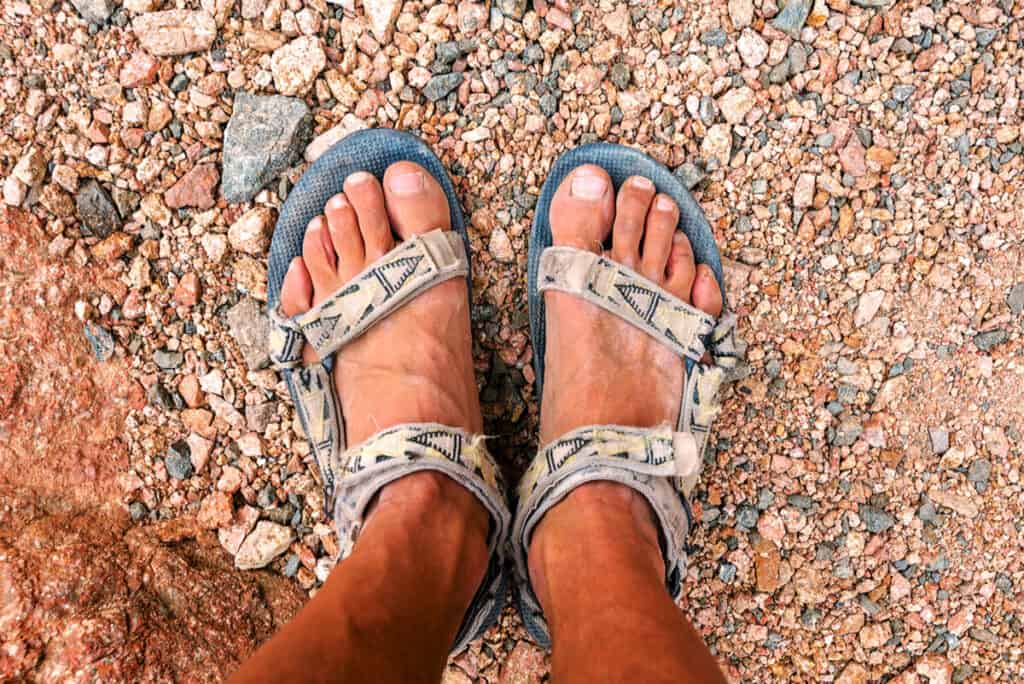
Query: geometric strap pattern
[627, 294]
[662, 465]
[415, 447]
[316, 402]
[407, 270]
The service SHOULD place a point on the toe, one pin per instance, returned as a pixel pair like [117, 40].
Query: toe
[296, 290]
[416, 202]
[343, 227]
[367, 198]
[707, 295]
[582, 208]
[680, 272]
[662, 220]
[318, 255]
[631, 207]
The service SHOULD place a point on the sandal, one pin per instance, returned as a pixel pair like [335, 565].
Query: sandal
[351, 477]
[662, 464]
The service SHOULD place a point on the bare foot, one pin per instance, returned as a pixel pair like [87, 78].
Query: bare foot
[416, 365]
[600, 369]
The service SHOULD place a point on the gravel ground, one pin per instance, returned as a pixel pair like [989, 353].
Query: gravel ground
[859, 161]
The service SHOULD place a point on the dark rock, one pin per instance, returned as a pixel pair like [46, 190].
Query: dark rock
[984, 36]
[979, 473]
[714, 37]
[1015, 299]
[876, 519]
[847, 432]
[514, 9]
[137, 510]
[793, 17]
[549, 104]
[178, 461]
[928, 513]
[291, 567]
[179, 83]
[94, 11]
[439, 86]
[746, 517]
[620, 75]
[266, 135]
[690, 175]
[100, 339]
[727, 572]
[96, 211]
[159, 397]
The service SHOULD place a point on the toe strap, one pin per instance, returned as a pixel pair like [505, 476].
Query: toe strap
[662, 465]
[415, 447]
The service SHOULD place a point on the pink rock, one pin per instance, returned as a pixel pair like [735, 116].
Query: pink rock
[196, 188]
[190, 392]
[215, 510]
[187, 291]
[242, 522]
[230, 479]
[139, 70]
[852, 158]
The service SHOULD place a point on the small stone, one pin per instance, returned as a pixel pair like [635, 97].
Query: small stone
[382, 15]
[500, 246]
[179, 465]
[513, 9]
[231, 536]
[215, 511]
[875, 519]
[265, 543]
[95, 11]
[620, 75]
[690, 175]
[141, 69]
[323, 142]
[741, 12]
[215, 246]
[31, 168]
[986, 341]
[736, 104]
[259, 416]
[1015, 299]
[803, 194]
[847, 432]
[296, 65]
[793, 17]
[96, 210]
[939, 438]
[15, 191]
[752, 48]
[867, 306]
[101, 340]
[230, 480]
[265, 135]
[979, 473]
[251, 232]
[439, 86]
[853, 673]
[137, 510]
[189, 390]
[249, 326]
[717, 144]
[175, 32]
[197, 188]
[199, 448]
[618, 21]
[159, 397]
[167, 360]
[852, 158]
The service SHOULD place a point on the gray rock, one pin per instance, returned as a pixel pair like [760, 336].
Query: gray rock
[94, 11]
[514, 9]
[793, 17]
[439, 86]
[715, 37]
[138, 510]
[876, 519]
[100, 339]
[1015, 299]
[746, 517]
[727, 572]
[779, 73]
[549, 104]
[249, 326]
[872, 3]
[939, 438]
[266, 135]
[690, 175]
[984, 36]
[291, 566]
[258, 416]
[267, 497]
[159, 397]
[928, 513]
[902, 93]
[989, 339]
[96, 211]
[847, 432]
[178, 461]
[620, 75]
[168, 360]
[797, 55]
[979, 473]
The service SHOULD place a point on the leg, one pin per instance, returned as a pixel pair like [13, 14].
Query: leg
[594, 558]
[390, 611]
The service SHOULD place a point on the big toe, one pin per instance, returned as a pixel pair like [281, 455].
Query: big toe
[415, 201]
[583, 208]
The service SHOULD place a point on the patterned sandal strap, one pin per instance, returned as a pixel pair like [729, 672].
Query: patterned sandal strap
[398, 451]
[686, 330]
[661, 465]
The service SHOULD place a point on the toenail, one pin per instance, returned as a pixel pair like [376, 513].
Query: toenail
[359, 177]
[642, 183]
[339, 202]
[588, 184]
[665, 204]
[406, 183]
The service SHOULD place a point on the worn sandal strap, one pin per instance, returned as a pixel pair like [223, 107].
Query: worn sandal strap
[312, 390]
[414, 447]
[627, 294]
[661, 465]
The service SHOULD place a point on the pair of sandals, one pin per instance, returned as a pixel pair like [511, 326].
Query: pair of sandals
[662, 464]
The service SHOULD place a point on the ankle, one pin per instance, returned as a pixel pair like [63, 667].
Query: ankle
[433, 494]
[599, 525]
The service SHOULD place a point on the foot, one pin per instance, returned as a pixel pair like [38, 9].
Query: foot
[416, 365]
[626, 376]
